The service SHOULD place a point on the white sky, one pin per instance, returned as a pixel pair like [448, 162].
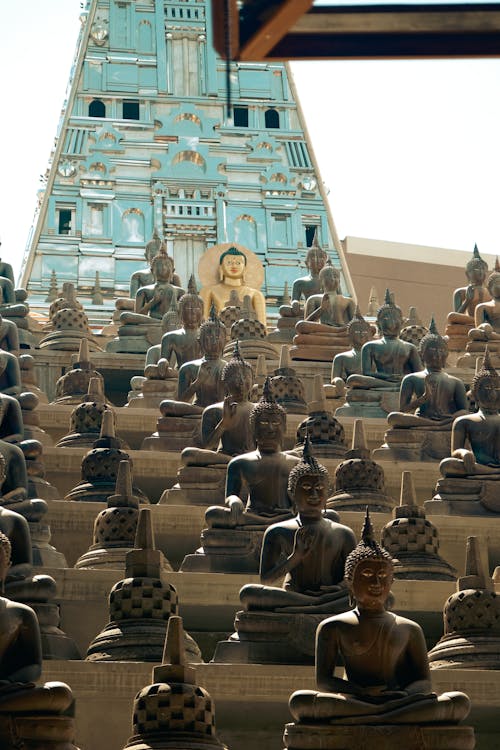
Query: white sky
[410, 151]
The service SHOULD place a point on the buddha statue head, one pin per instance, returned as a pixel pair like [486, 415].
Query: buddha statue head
[485, 386]
[162, 265]
[493, 284]
[212, 336]
[369, 570]
[232, 264]
[237, 376]
[359, 330]
[329, 278]
[153, 246]
[309, 484]
[433, 348]
[268, 421]
[389, 317]
[476, 269]
[316, 257]
[191, 306]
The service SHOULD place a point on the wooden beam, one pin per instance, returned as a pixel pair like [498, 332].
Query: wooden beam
[273, 29]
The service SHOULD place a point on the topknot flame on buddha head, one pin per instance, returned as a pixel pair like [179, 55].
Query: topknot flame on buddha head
[308, 466]
[476, 263]
[366, 549]
[358, 323]
[317, 253]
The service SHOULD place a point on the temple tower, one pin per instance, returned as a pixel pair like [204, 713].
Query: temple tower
[146, 141]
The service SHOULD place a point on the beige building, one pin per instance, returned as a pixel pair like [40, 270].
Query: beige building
[418, 274]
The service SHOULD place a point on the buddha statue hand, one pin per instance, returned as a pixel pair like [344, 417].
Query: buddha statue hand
[305, 538]
[236, 508]
[204, 377]
[229, 412]
[468, 459]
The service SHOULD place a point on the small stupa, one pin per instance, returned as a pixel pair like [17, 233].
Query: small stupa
[250, 333]
[72, 387]
[286, 386]
[68, 325]
[140, 606]
[471, 617]
[115, 527]
[325, 432]
[360, 481]
[413, 541]
[174, 713]
[100, 467]
[86, 418]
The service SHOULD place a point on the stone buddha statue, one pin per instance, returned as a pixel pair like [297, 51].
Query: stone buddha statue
[256, 495]
[486, 322]
[225, 426]
[323, 332]
[303, 287]
[387, 678]
[224, 432]
[183, 344]
[257, 481]
[384, 363]
[28, 712]
[471, 476]
[429, 401]
[347, 363]
[233, 267]
[141, 328]
[309, 551]
[465, 301]
[144, 276]
[9, 336]
[10, 374]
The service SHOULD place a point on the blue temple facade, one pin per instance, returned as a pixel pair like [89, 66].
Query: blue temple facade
[146, 140]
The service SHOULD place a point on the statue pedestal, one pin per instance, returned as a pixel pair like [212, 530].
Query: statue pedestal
[316, 352]
[197, 485]
[475, 349]
[135, 339]
[270, 638]
[43, 732]
[173, 433]
[415, 445]
[250, 348]
[380, 737]
[227, 551]
[370, 402]
[152, 394]
[465, 497]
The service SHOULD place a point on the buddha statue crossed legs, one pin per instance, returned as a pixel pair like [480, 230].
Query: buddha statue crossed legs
[385, 656]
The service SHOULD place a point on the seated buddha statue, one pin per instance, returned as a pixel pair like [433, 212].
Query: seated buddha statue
[323, 332]
[348, 363]
[9, 335]
[475, 439]
[465, 301]
[10, 374]
[387, 677]
[183, 343]
[429, 401]
[200, 380]
[232, 266]
[257, 480]
[144, 277]
[309, 550]
[303, 287]
[141, 328]
[9, 307]
[21, 667]
[487, 321]
[384, 363]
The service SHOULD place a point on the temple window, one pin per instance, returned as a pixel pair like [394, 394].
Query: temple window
[131, 110]
[97, 108]
[240, 117]
[310, 229]
[65, 219]
[271, 118]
